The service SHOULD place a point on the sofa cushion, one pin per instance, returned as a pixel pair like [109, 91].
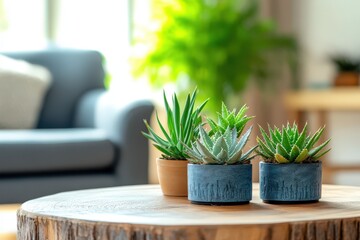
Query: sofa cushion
[55, 150]
[74, 73]
[23, 87]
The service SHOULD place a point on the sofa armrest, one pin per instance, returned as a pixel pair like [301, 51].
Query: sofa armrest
[85, 112]
[122, 120]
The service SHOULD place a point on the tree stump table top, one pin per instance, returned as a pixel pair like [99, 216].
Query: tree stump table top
[142, 212]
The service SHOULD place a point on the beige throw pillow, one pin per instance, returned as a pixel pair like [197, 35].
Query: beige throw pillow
[23, 87]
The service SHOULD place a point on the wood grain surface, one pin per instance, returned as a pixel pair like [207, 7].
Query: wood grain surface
[142, 212]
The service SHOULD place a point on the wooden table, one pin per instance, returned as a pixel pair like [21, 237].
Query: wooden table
[321, 102]
[8, 221]
[142, 212]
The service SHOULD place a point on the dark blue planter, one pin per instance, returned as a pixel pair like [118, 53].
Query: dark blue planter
[290, 183]
[220, 184]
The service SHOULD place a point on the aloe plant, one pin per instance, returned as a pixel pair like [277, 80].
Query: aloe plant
[183, 127]
[288, 145]
[221, 148]
[229, 119]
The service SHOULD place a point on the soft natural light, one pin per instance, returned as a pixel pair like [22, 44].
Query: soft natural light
[25, 25]
[102, 25]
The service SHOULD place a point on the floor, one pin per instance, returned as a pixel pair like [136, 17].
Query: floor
[8, 221]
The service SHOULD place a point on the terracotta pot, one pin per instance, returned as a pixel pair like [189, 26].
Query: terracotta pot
[347, 79]
[173, 177]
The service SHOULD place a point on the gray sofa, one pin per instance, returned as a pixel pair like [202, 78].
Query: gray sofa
[83, 139]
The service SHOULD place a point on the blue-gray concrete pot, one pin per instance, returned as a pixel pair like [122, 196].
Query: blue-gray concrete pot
[290, 183]
[220, 184]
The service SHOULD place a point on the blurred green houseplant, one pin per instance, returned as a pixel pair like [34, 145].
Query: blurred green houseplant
[218, 45]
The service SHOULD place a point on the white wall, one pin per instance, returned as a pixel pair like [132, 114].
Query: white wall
[327, 27]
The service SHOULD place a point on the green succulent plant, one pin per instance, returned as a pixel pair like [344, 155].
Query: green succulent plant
[183, 127]
[229, 119]
[288, 145]
[221, 148]
[346, 64]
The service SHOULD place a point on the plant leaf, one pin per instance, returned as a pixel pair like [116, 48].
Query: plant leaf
[234, 158]
[264, 150]
[282, 151]
[314, 138]
[320, 154]
[244, 138]
[267, 139]
[246, 155]
[314, 151]
[162, 128]
[170, 120]
[219, 145]
[208, 157]
[285, 142]
[176, 112]
[206, 139]
[280, 159]
[302, 156]
[154, 137]
[222, 156]
[213, 126]
[295, 151]
[300, 142]
[224, 110]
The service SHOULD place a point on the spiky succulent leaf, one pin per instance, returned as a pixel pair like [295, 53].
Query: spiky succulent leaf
[289, 145]
[300, 142]
[319, 155]
[274, 137]
[282, 151]
[235, 157]
[240, 145]
[314, 138]
[270, 143]
[304, 154]
[295, 151]
[206, 139]
[183, 127]
[281, 159]
[264, 150]
[285, 142]
[277, 133]
[223, 148]
[229, 119]
[222, 156]
[230, 138]
[246, 155]
[220, 144]
[314, 151]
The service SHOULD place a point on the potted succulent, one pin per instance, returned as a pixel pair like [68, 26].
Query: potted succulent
[291, 171]
[347, 71]
[219, 172]
[183, 129]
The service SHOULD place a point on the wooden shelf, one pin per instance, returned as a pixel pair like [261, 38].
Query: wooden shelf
[332, 99]
[321, 102]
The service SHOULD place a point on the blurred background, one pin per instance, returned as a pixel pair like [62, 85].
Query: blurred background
[287, 60]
